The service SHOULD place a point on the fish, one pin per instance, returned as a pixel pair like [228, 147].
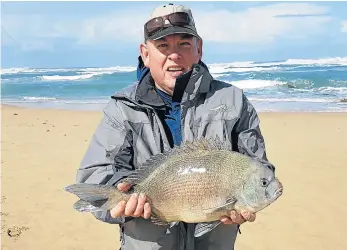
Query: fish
[196, 182]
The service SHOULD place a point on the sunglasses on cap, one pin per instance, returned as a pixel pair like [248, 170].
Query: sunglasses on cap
[158, 23]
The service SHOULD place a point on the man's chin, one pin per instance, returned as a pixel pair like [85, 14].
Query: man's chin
[176, 74]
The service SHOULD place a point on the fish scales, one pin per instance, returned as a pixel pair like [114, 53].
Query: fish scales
[198, 182]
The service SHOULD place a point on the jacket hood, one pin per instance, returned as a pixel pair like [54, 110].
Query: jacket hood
[194, 81]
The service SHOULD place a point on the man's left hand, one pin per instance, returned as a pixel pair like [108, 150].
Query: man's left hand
[238, 218]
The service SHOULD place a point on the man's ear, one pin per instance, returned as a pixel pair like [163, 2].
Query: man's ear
[144, 54]
[200, 42]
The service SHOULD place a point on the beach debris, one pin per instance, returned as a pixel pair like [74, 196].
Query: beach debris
[15, 114]
[3, 199]
[3, 221]
[196, 182]
[16, 231]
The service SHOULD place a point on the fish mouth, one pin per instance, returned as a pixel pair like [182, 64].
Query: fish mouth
[274, 190]
[278, 192]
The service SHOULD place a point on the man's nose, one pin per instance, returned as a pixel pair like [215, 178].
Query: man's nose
[174, 56]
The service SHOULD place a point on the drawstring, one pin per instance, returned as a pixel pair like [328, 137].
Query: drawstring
[238, 228]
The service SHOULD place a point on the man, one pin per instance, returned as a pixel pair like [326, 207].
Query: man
[175, 99]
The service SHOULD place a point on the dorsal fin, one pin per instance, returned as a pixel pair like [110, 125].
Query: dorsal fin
[208, 144]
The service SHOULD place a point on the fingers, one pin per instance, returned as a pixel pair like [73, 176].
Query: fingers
[248, 216]
[136, 206]
[140, 206]
[118, 210]
[236, 217]
[147, 211]
[226, 220]
[131, 205]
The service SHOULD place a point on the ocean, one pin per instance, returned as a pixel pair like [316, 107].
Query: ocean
[293, 85]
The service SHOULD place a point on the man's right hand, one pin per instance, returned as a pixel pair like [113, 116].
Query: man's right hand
[136, 206]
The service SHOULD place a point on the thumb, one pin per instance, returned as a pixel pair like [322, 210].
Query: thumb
[248, 216]
[123, 186]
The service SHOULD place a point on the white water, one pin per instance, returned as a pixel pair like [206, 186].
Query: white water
[214, 68]
[67, 78]
[315, 100]
[107, 70]
[255, 84]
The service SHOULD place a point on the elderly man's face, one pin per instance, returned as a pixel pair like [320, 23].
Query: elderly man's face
[170, 57]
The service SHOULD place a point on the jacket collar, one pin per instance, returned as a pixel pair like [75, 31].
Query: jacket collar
[188, 85]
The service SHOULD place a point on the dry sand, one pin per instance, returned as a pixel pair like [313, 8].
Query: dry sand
[41, 151]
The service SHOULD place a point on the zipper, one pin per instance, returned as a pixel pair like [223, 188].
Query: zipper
[165, 146]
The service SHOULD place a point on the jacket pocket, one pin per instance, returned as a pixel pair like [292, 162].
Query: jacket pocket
[210, 128]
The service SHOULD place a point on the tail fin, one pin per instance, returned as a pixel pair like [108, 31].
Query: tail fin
[85, 206]
[94, 197]
[91, 192]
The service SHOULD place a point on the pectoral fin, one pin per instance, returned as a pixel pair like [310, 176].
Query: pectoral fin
[155, 220]
[172, 224]
[203, 228]
[228, 202]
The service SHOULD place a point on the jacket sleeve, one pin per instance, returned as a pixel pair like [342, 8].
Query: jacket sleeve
[109, 157]
[247, 137]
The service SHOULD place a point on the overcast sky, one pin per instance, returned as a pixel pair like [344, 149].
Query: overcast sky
[102, 34]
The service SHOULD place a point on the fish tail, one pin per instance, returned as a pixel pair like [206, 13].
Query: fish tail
[85, 206]
[95, 197]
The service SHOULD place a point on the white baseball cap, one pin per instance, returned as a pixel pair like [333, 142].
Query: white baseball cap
[182, 23]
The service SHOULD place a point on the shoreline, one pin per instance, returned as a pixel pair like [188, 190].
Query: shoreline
[98, 107]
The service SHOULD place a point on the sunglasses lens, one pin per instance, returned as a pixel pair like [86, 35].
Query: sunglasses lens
[179, 18]
[154, 24]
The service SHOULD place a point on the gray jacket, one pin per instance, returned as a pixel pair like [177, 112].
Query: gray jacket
[131, 131]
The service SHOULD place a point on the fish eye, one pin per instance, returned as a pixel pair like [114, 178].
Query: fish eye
[264, 182]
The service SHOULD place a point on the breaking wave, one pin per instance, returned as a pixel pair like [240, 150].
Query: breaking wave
[293, 84]
[107, 70]
[256, 84]
[314, 100]
[67, 78]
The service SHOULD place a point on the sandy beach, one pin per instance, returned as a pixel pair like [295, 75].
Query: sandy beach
[42, 148]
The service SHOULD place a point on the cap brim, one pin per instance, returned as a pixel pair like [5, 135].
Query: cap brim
[173, 30]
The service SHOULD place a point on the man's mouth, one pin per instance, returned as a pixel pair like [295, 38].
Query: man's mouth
[175, 71]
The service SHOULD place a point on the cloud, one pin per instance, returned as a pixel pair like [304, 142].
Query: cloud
[28, 32]
[115, 26]
[262, 24]
[255, 25]
[33, 45]
[344, 26]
